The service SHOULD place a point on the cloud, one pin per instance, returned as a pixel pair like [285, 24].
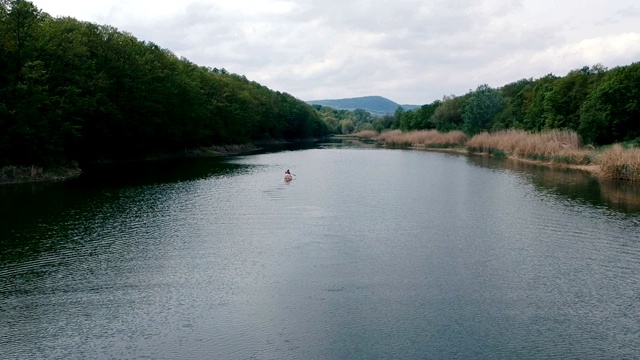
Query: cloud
[619, 49]
[410, 51]
[629, 12]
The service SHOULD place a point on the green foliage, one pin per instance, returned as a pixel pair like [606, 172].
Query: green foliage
[534, 99]
[382, 123]
[611, 112]
[72, 90]
[424, 115]
[448, 115]
[347, 126]
[417, 119]
[514, 99]
[563, 101]
[481, 108]
[338, 121]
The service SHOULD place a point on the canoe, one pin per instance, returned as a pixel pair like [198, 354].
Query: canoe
[288, 177]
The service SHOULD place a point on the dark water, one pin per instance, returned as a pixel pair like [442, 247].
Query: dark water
[367, 254]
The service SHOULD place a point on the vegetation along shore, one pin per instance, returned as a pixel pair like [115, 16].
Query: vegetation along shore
[30, 174]
[554, 148]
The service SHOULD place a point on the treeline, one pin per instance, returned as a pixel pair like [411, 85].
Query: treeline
[602, 106]
[347, 121]
[73, 90]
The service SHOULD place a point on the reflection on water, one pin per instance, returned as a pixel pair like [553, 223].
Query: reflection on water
[622, 196]
[367, 254]
[346, 142]
[161, 171]
[38, 211]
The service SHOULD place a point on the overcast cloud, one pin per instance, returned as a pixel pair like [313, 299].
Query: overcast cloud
[412, 52]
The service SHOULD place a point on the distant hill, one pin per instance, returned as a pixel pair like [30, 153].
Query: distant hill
[376, 105]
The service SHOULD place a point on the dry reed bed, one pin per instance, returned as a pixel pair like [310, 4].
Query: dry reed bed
[427, 138]
[555, 146]
[620, 163]
[559, 146]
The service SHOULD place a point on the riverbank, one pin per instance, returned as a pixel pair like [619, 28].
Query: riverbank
[591, 169]
[33, 174]
[555, 148]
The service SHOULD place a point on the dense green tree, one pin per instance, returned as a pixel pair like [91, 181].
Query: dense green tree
[402, 121]
[424, 116]
[362, 116]
[533, 102]
[448, 116]
[27, 124]
[611, 112]
[481, 108]
[513, 111]
[383, 122]
[347, 126]
[334, 119]
[566, 95]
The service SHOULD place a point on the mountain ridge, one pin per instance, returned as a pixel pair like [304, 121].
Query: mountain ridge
[376, 105]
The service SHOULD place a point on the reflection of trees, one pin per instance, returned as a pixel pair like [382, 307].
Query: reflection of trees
[574, 184]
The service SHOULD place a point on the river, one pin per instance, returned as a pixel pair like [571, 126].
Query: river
[367, 254]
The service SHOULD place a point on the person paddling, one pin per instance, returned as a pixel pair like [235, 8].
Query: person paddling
[287, 175]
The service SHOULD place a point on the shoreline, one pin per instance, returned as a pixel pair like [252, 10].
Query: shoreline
[15, 175]
[559, 149]
[592, 169]
[12, 175]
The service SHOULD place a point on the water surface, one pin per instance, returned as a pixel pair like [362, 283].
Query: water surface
[368, 253]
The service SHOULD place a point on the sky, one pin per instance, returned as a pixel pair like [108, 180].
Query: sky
[411, 52]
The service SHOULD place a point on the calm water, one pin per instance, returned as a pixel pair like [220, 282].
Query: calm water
[367, 254]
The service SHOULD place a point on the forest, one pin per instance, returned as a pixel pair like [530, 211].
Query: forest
[76, 91]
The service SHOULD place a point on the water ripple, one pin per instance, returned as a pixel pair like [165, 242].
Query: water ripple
[452, 261]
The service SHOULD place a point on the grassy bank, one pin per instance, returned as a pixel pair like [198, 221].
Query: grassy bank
[555, 147]
[25, 174]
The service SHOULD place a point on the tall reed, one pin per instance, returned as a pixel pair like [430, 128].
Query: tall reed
[16, 174]
[555, 145]
[366, 134]
[426, 138]
[620, 163]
